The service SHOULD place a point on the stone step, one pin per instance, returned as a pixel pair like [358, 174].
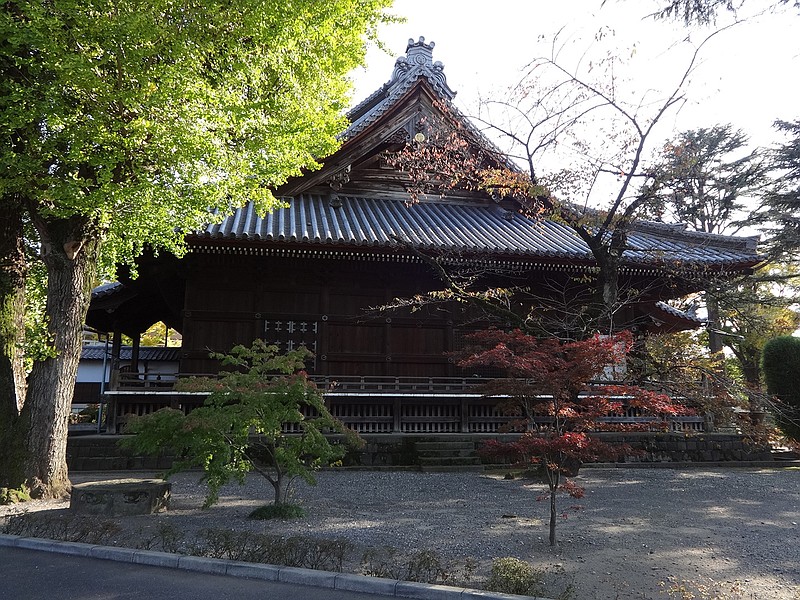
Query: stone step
[454, 452]
[441, 446]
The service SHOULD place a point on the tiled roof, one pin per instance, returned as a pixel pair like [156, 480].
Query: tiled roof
[156, 353]
[107, 289]
[483, 228]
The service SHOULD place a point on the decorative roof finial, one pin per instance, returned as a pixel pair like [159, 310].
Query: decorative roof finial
[418, 62]
[419, 52]
[416, 65]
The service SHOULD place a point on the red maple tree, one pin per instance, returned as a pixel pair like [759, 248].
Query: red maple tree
[552, 386]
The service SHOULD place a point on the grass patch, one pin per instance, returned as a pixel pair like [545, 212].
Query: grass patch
[13, 496]
[277, 511]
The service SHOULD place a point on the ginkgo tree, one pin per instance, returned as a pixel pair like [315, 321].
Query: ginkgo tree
[125, 124]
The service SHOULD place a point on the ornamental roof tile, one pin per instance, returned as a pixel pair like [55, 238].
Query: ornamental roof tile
[681, 314]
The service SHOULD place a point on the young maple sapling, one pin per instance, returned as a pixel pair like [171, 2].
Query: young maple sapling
[262, 415]
[549, 384]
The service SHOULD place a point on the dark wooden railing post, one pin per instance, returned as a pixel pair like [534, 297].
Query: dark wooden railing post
[397, 409]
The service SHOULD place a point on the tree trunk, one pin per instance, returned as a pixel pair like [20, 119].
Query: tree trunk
[280, 485]
[69, 252]
[13, 270]
[714, 339]
[554, 477]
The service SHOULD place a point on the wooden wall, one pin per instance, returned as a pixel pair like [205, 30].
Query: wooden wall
[329, 305]
[324, 304]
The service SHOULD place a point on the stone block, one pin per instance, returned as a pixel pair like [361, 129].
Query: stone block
[253, 571]
[120, 497]
[361, 583]
[424, 591]
[113, 553]
[202, 564]
[156, 559]
[307, 577]
[73, 548]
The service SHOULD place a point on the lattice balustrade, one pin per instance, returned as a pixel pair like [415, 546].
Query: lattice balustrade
[486, 418]
[396, 405]
[365, 418]
[420, 417]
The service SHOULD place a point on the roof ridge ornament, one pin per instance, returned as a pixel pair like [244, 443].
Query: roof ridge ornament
[417, 62]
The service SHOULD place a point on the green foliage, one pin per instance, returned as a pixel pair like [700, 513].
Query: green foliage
[38, 339]
[127, 124]
[707, 589]
[69, 527]
[264, 415]
[780, 208]
[424, 566]
[702, 177]
[12, 496]
[781, 365]
[145, 115]
[294, 551]
[513, 576]
[277, 511]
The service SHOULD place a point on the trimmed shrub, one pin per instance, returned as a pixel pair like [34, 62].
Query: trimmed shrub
[780, 361]
[513, 576]
[277, 511]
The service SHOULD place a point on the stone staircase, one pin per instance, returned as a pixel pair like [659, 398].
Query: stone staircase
[447, 454]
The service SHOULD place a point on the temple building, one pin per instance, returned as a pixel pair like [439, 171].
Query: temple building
[350, 241]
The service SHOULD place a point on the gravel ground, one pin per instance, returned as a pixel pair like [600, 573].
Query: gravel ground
[636, 534]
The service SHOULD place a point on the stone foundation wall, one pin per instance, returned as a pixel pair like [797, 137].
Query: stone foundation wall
[101, 453]
[679, 447]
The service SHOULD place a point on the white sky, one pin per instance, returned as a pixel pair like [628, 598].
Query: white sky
[749, 77]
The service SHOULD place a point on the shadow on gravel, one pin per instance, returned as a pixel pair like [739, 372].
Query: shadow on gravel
[733, 525]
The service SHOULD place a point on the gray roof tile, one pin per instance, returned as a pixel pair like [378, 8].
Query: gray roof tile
[479, 228]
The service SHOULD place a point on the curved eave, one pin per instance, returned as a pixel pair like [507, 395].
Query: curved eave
[467, 229]
[400, 254]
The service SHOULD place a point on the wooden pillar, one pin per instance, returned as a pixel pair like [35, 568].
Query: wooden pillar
[116, 346]
[449, 346]
[137, 340]
[397, 409]
[464, 407]
[322, 330]
[113, 383]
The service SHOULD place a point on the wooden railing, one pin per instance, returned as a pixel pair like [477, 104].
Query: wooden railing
[139, 381]
[372, 404]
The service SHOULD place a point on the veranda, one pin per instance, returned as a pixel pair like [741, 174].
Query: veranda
[407, 405]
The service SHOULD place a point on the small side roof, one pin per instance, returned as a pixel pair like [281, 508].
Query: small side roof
[146, 353]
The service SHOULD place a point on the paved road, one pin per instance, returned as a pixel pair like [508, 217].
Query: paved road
[33, 575]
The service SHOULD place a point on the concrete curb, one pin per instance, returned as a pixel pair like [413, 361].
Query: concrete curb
[232, 568]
